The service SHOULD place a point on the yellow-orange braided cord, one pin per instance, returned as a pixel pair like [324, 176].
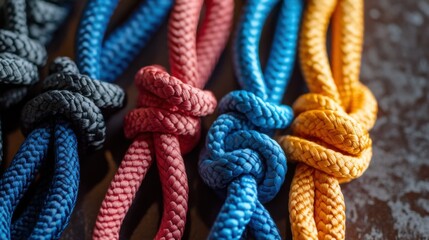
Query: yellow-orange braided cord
[330, 133]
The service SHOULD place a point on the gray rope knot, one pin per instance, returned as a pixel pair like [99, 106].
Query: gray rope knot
[20, 57]
[76, 98]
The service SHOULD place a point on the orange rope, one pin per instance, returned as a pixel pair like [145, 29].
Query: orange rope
[330, 133]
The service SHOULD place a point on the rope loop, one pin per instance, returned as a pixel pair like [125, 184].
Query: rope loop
[22, 46]
[262, 114]
[75, 97]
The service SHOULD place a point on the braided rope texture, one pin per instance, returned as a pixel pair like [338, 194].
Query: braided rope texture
[166, 123]
[77, 102]
[123, 44]
[22, 52]
[240, 156]
[71, 103]
[45, 17]
[330, 138]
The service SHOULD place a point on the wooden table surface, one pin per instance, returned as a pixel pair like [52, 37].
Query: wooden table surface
[390, 201]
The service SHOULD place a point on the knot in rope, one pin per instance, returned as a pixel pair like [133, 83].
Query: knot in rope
[328, 138]
[330, 133]
[337, 144]
[168, 105]
[20, 57]
[166, 124]
[75, 97]
[241, 157]
[236, 147]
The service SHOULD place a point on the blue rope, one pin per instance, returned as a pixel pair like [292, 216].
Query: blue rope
[123, 44]
[240, 155]
[79, 99]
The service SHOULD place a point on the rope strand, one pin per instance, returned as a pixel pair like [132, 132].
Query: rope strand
[22, 52]
[71, 103]
[240, 156]
[330, 138]
[166, 124]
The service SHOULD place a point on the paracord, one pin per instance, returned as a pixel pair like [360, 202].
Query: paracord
[330, 138]
[240, 156]
[166, 124]
[71, 102]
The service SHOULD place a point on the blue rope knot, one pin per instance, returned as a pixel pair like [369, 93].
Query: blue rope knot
[235, 142]
[75, 97]
[241, 157]
[20, 57]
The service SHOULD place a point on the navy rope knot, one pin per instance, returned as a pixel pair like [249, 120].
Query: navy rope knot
[20, 57]
[75, 97]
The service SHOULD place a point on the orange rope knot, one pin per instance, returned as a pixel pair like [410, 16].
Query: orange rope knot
[330, 138]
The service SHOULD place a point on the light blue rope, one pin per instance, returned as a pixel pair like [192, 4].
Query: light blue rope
[50, 209]
[240, 155]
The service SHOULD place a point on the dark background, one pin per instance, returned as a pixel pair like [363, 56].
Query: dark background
[390, 201]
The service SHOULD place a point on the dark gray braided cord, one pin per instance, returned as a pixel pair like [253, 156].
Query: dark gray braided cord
[45, 16]
[75, 97]
[29, 24]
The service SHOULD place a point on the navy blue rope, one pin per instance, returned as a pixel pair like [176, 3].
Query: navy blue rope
[240, 155]
[79, 99]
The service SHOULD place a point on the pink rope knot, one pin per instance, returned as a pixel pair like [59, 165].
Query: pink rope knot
[166, 124]
[168, 105]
